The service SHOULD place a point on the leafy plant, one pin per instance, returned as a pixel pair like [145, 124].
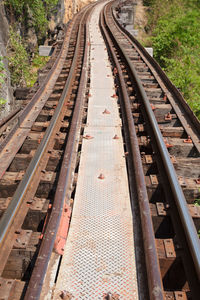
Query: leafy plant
[18, 59]
[2, 71]
[2, 78]
[39, 10]
[38, 63]
[175, 35]
[22, 72]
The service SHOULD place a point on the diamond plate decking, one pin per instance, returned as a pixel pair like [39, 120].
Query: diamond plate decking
[99, 253]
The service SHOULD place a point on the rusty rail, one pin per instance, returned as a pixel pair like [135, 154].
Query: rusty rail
[186, 219]
[154, 278]
[46, 248]
[9, 215]
[11, 115]
[192, 119]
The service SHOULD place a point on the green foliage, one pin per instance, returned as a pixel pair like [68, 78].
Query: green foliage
[39, 16]
[18, 59]
[22, 72]
[197, 202]
[2, 101]
[148, 2]
[176, 41]
[17, 5]
[38, 63]
[2, 71]
[39, 9]
[2, 77]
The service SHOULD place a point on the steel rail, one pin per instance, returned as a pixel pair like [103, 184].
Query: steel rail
[9, 215]
[10, 116]
[46, 248]
[186, 219]
[152, 264]
[171, 87]
[194, 122]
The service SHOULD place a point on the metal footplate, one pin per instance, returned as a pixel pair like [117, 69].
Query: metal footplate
[98, 261]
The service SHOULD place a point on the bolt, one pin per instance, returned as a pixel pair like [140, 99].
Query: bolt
[114, 96]
[101, 176]
[65, 295]
[18, 231]
[106, 112]
[115, 71]
[88, 137]
[153, 107]
[167, 206]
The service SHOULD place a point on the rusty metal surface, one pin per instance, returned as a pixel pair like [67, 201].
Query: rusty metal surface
[14, 205]
[10, 116]
[37, 278]
[180, 106]
[99, 256]
[154, 277]
[187, 222]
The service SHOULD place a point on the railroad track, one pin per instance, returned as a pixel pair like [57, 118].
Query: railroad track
[164, 146]
[40, 165]
[35, 151]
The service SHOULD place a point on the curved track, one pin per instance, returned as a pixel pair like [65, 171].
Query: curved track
[163, 123]
[48, 127]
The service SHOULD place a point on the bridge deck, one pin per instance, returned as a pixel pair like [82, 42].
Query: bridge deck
[99, 253]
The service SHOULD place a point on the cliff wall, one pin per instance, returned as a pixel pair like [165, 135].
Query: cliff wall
[24, 23]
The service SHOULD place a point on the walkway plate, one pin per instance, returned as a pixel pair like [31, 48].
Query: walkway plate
[99, 253]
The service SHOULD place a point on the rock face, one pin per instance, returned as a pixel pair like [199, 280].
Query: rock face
[64, 11]
[6, 90]
[73, 6]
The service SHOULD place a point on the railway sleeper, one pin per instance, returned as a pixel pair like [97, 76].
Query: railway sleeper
[177, 295]
[171, 265]
[10, 181]
[162, 109]
[21, 161]
[190, 187]
[35, 218]
[160, 100]
[161, 218]
[11, 289]
[184, 166]
[168, 131]
[42, 126]
[62, 78]
[172, 122]
[51, 104]
[141, 69]
[32, 141]
[22, 257]
[45, 115]
[180, 148]
[177, 147]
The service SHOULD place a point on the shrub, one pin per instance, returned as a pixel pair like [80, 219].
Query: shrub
[176, 41]
[18, 59]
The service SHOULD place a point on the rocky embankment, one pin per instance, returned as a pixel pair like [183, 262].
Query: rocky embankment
[61, 14]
